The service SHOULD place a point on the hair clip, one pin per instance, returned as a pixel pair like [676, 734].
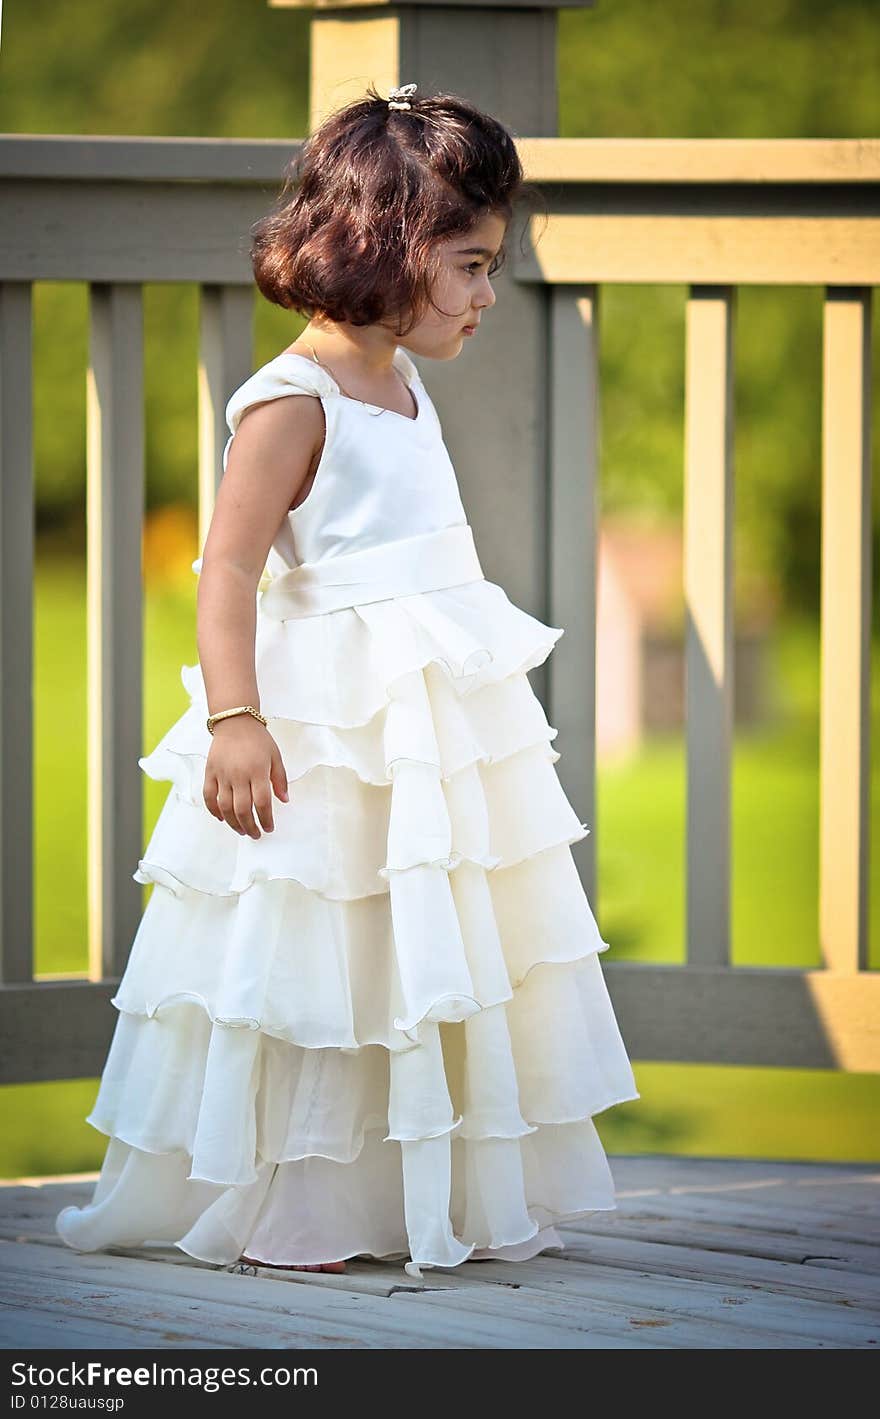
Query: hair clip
[404, 93]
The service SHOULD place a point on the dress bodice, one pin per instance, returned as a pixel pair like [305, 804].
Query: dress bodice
[380, 477]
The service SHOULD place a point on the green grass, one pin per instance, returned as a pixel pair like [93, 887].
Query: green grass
[774, 853]
[683, 1109]
[60, 905]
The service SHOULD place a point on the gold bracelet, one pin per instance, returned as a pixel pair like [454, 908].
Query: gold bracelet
[239, 709]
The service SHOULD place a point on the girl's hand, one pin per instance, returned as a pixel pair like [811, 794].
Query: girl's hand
[244, 764]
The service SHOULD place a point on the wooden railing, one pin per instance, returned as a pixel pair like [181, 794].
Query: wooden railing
[119, 212]
[715, 214]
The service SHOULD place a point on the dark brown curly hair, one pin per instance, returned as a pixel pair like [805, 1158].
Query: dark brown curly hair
[354, 232]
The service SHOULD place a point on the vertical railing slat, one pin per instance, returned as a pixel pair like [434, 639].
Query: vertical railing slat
[16, 632]
[225, 362]
[573, 374]
[115, 498]
[844, 773]
[708, 589]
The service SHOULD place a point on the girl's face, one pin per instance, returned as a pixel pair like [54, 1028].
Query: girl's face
[463, 288]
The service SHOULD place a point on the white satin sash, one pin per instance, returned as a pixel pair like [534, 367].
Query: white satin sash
[404, 567]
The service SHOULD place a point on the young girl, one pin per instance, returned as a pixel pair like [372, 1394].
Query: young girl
[363, 1014]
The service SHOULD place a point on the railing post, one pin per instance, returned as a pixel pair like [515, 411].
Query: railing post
[708, 588]
[225, 361]
[573, 463]
[16, 633]
[440, 47]
[115, 503]
[845, 742]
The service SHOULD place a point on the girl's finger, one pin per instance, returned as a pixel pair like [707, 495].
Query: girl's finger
[262, 796]
[209, 794]
[278, 778]
[244, 809]
[227, 810]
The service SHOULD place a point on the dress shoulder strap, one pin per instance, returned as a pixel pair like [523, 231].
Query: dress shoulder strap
[405, 364]
[286, 374]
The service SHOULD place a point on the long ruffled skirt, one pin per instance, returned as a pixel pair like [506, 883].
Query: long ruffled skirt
[381, 1029]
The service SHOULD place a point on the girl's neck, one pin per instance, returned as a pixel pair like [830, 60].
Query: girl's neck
[345, 365]
[367, 353]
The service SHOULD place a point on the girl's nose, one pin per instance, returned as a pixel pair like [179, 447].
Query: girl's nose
[488, 294]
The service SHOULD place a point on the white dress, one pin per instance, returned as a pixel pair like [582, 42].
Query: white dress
[381, 1029]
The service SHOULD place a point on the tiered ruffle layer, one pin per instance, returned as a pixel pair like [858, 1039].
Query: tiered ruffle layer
[381, 1028]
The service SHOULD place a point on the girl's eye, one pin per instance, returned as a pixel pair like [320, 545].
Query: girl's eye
[475, 266]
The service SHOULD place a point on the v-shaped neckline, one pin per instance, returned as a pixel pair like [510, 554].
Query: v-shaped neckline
[407, 418]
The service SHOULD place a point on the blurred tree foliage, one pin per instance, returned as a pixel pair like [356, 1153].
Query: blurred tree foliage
[686, 68]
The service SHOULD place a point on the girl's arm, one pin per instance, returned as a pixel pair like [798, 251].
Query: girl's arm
[267, 464]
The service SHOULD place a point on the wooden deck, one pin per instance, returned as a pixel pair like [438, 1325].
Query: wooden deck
[701, 1253]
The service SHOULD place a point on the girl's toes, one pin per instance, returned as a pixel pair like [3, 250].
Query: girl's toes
[305, 1266]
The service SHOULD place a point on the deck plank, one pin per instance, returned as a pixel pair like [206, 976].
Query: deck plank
[580, 1320]
[30, 1328]
[700, 1253]
[740, 1240]
[668, 1169]
[744, 1209]
[771, 1275]
[739, 1306]
[190, 1307]
[242, 1310]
